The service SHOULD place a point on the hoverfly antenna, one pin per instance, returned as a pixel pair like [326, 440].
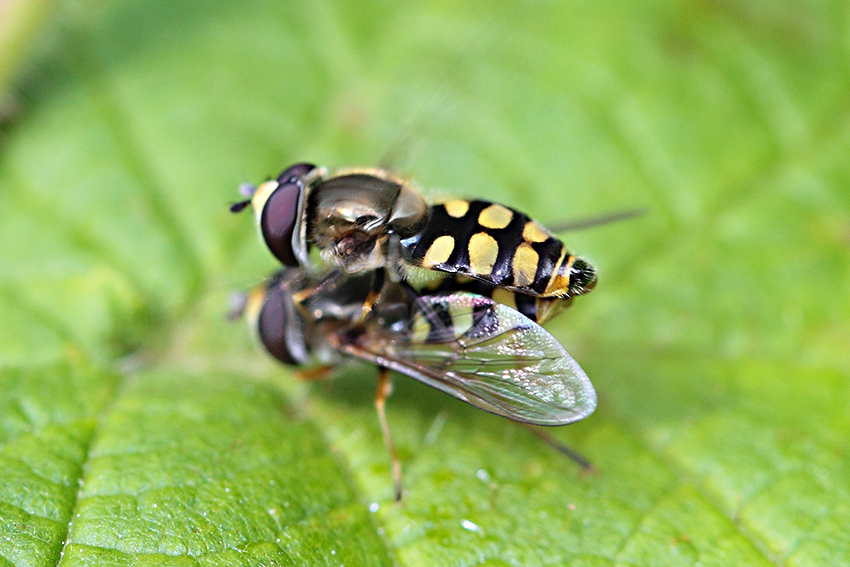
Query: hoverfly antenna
[590, 222]
[239, 206]
[571, 454]
[247, 189]
[237, 302]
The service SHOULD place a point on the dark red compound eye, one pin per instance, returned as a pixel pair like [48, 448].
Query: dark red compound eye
[271, 326]
[278, 221]
[280, 213]
[295, 171]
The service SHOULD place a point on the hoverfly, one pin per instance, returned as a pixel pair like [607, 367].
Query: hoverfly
[464, 344]
[368, 219]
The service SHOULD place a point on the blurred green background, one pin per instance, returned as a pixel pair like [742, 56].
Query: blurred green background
[138, 427]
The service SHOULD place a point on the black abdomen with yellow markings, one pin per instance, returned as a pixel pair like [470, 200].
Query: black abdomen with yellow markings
[499, 246]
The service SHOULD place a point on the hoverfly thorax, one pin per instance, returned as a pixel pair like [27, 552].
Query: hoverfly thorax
[357, 219]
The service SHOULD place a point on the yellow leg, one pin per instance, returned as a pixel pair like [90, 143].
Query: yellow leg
[374, 294]
[318, 373]
[384, 389]
[368, 304]
[299, 297]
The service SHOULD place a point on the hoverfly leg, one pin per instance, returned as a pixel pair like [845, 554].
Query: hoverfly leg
[318, 373]
[383, 392]
[577, 458]
[300, 297]
[368, 304]
[374, 294]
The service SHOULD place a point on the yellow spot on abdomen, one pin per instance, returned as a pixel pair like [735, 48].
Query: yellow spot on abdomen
[533, 232]
[439, 251]
[505, 297]
[483, 251]
[456, 208]
[495, 216]
[525, 264]
[560, 281]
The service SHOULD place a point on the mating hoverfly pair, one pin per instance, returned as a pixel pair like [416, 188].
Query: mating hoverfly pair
[452, 294]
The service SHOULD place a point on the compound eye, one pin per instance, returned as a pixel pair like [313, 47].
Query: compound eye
[271, 326]
[277, 221]
[294, 172]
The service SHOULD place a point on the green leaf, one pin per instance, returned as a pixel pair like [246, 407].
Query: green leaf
[139, 427]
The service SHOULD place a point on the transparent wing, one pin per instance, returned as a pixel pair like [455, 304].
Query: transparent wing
[485, 354]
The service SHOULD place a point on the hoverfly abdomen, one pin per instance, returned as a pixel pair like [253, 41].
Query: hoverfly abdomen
[499, 246]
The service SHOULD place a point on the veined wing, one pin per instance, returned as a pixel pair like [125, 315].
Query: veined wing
[485, 354]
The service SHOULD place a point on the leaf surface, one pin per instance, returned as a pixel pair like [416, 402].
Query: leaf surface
[139, 427]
